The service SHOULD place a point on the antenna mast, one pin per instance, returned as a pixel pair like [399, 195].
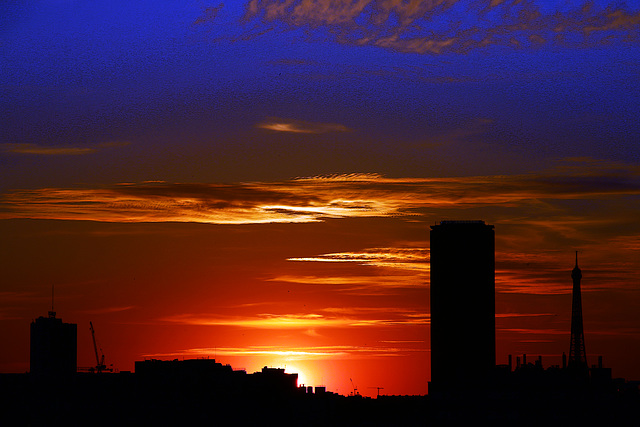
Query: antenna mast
[52, 313]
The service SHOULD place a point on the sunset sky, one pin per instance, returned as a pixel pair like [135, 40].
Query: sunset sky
[254, 181]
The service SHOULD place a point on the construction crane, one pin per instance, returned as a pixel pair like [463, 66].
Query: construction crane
[100, 366]
[355, 389]
[379, 388]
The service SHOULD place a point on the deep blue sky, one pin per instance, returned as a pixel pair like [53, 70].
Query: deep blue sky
[175, 82]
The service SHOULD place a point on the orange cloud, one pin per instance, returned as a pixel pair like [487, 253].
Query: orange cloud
[535, 199]
[299, 126]
[304, 321]
[544, 211]
[298, 353]
[401, 258]
[533, 331]
[510, 315]
[263, 321]
[360, 285]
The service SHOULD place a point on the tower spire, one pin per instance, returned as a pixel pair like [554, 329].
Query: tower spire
[577, 353]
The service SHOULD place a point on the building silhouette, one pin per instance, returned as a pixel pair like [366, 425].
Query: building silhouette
[462, 304]
[214, 378]
[53, 347]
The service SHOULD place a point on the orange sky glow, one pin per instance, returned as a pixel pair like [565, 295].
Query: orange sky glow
[325, 275]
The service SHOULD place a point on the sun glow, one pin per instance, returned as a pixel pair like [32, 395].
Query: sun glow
[303, 377]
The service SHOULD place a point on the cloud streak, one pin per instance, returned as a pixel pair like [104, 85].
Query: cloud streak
[303, 321]
[400, 258]
[320, 198]
[69, 150]
[446, 26]
[109, 310]
[359, 285]
[300, 126]
[298, 353]
[541, 216]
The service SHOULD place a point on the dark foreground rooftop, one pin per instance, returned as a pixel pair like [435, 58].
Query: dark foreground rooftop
[126, 398]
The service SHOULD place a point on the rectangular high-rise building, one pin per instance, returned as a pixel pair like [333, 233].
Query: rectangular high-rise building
[53, 347]
[462, 303]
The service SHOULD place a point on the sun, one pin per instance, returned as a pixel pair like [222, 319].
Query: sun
[303, 379]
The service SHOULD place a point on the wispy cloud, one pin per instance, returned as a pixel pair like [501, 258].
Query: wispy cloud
[621, 331]
[362, 285]
[538, 215]
[511, 315]
[108, 310]
[309, 321]
[446, 26]
[533, 331]
[627, 242]
[209, 14]
[304, 70]
[400, 258]
[263, 321]
[411, 263]
[14, 296]
[67, 150]
[300, 126]
[300, 353]
[319, 198]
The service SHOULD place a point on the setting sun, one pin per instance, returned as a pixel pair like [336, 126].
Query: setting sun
[303, 378]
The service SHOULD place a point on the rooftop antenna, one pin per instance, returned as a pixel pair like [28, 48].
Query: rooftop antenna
[52, 313]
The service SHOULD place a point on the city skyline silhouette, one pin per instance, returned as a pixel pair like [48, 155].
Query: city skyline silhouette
[313, 363]
[459, 297]
[52, 336]
[170, 391]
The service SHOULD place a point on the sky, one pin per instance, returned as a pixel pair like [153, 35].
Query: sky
[254, 181]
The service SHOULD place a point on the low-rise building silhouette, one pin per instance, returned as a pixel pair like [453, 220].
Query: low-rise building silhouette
[211, 377]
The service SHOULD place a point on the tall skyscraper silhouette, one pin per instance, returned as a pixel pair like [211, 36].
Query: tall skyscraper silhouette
[463, 349]
[53, 347]
[577, 353]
